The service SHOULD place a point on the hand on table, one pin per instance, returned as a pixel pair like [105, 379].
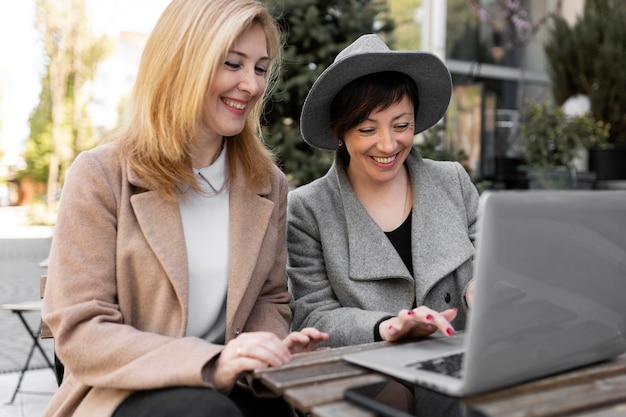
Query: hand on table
[254, 350]
[305, 340]
[418, 322]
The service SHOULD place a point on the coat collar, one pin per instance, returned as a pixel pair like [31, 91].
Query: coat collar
[160, 222]
[438, 247]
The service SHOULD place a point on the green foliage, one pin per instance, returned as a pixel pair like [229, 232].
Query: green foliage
[588, 58]
[553, 139]
[38, 145]
[316, 31]
[433, 145]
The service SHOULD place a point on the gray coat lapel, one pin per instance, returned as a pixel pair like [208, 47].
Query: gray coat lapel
[371, 254]
[439, 229]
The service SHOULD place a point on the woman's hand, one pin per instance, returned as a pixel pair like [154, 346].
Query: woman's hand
[247, 352]
[305, 340]
[418, 322]
[254, 350]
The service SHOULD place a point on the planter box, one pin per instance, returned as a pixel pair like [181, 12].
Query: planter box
[609, 163]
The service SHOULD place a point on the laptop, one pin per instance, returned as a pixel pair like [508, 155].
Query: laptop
[550, 270]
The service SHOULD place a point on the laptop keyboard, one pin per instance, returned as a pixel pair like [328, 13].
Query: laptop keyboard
[451, 365]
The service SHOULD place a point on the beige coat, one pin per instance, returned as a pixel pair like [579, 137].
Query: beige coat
[116, 294]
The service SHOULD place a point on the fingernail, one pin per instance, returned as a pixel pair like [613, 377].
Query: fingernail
[410, 312]
[429, 317]
[391, 329]
[455, 309]
[450, 331]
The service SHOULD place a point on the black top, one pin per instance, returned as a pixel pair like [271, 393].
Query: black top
[401, 240]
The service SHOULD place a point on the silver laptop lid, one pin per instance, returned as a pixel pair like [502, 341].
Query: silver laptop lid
[551, 284]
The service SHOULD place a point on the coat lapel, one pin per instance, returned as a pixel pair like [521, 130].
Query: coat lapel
[162, 227]
[440, 240]
[371, 254]
[250, 214]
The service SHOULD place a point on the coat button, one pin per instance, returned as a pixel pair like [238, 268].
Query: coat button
[447, 297]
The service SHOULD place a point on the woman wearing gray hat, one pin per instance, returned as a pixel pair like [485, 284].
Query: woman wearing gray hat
[381, 247]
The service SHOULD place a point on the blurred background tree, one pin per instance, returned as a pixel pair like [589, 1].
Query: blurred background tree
[406, 15]
[60, 127]
[316, 31]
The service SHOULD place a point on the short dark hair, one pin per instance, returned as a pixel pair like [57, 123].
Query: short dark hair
[359, 98]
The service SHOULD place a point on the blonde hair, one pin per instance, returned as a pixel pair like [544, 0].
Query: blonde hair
[188, 44]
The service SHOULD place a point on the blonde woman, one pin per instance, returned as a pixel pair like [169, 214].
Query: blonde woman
[167, 270]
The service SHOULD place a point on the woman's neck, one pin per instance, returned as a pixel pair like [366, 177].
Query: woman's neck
[388, 203]
[207, 152]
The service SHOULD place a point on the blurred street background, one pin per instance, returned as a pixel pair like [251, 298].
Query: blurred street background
[22, 248]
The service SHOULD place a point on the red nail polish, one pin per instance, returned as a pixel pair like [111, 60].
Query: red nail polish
[410, 312]
[429, 317]
[449, 331]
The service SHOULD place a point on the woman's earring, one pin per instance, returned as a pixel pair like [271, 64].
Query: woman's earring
[339, 143]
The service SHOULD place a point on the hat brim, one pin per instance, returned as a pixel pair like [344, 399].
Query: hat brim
[434, 86]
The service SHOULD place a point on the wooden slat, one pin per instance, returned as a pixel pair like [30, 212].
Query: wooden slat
[319, 357]
[304, 398]
[42, 285]
[590, 373]
[563, 401]
[292, 377]
[615, 411]
[45, 332]
[340, 409]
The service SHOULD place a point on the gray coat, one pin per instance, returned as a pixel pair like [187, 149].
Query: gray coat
[344, 273]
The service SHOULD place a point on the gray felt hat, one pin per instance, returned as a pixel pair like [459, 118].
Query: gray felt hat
[367, 55]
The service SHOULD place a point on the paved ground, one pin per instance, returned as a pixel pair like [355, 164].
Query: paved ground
[21, 250]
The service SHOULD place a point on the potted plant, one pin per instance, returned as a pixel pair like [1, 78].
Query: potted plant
[552, 140]
[583, 59]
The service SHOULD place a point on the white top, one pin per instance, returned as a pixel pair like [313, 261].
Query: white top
[206, 227]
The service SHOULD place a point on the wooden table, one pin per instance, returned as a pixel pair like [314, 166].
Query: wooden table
[314, 383]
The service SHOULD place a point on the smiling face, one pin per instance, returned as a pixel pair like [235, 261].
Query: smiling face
[380, 144]
[238, 84]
